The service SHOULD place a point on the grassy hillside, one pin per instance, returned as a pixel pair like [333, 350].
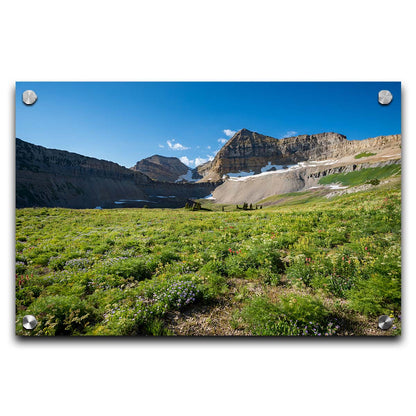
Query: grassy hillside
[361, 176]
[295, 198]
[364, 154]
[327, 267]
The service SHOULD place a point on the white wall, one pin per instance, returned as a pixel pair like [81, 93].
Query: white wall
[216, 40]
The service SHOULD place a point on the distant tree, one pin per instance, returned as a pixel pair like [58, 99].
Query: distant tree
[251, 206]
[197, 206]
[237, 207]
[222, 208]
[187, 205]
[245, 206]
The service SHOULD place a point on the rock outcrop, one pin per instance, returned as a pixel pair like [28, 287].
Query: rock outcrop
[166, 169]
[248, 151]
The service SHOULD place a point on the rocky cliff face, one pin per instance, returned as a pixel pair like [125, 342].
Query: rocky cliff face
[33, 158]
[56, 178]
[166, 169]
[248, 151]
[202, 170]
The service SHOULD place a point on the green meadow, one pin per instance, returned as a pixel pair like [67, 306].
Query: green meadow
[310, 266]
[364, 154]
[361, 176]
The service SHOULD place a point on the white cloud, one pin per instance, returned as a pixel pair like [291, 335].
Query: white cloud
[161, 146]
[209, 147]
[176, 146]
[289, 133]
[186, 161]
[221, 140]
[229, 132]
[195, 162]
[200, 161]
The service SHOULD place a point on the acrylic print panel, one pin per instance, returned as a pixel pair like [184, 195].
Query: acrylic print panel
[208, 209]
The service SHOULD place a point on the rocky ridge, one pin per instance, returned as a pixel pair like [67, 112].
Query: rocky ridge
[249, 151]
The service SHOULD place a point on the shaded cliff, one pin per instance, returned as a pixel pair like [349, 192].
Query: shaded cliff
[57, 178]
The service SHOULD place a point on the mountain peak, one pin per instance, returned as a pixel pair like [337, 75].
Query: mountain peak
[247, 136]
[166, 169]
[248, 151]
[160, 158]
[245, 132]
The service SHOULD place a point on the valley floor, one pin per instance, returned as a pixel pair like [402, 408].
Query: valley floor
[306, 265]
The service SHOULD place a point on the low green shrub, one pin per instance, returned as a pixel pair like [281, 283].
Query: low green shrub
[261, 260]
[293, 315]
[57, 262]
[214, 267]
[376, 296]
[138, 268]
[41, 260]
[20, 267]
[167, 256]
[60, 315]
[214, 285]
[27, 290]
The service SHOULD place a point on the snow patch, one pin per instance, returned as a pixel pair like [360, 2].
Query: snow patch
[273, 172]
[208, 197]
[337, 186]
[269, 166]
[244, 176]
[123, 201]
[239, 174]
[314, 163]
[187, 177]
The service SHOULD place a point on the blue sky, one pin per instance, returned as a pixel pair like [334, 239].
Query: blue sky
[126, 122]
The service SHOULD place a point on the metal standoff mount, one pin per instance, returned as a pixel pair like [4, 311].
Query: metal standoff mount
[385, 97]
[29, 322]
[385, 322]
[29, 97]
